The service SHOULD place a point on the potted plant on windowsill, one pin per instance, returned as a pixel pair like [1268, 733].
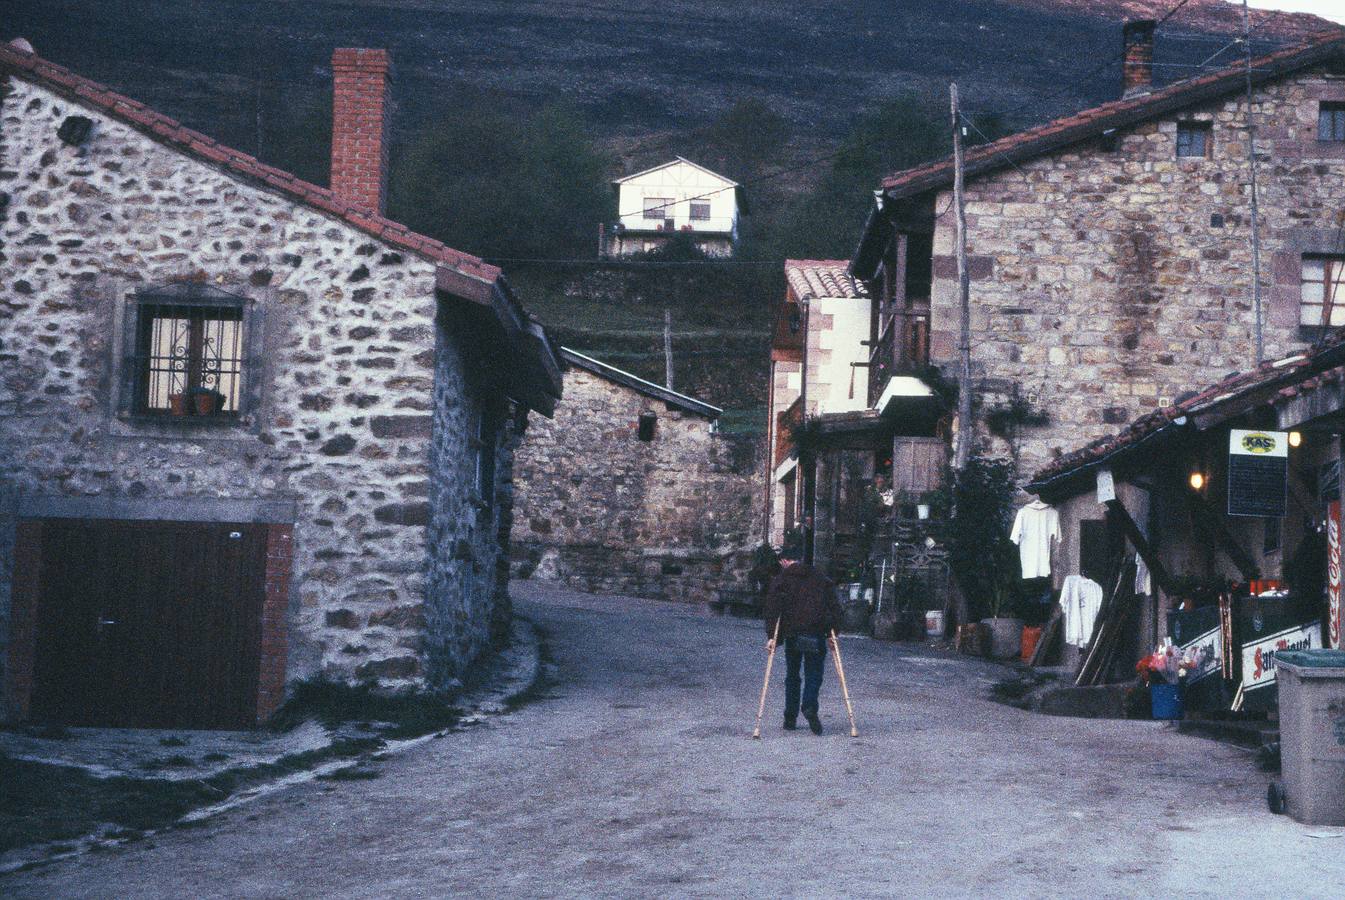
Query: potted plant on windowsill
[980, 554]
[206, 401]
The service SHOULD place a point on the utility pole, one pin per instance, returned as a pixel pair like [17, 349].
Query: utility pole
[667, 349]
[964, 427]
[1251, 158]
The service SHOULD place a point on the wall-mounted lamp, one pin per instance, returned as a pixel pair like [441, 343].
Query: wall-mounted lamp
[1197, 480]
[1295, 438]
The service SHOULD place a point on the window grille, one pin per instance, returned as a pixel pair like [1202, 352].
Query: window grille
[1331, 122]
[186, 353]
[1193, 139]
[700, 211]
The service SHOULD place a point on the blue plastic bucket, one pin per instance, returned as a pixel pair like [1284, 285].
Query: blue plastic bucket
[1166, 701]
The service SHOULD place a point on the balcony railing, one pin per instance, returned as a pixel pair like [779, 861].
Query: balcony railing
[902, 346]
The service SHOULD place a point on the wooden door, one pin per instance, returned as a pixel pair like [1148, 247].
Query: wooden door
[149, 624]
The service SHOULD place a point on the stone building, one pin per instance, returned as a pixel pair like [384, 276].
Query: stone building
[1110, 251]
[828, 437]
[631, 489]
[251, 431]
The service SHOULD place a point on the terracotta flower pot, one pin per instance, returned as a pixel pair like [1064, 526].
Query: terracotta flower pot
[177, 404]
[207, 403]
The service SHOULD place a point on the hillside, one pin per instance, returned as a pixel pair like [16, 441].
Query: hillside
[644, 79]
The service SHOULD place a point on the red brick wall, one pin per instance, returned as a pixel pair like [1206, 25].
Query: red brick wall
[359, 126]
[1137, 71]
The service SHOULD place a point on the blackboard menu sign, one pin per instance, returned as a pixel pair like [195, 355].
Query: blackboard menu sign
[1258, 472]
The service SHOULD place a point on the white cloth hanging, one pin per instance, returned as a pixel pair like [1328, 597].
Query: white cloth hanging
[1080, 602]
[1143, 582]
[1034, 529]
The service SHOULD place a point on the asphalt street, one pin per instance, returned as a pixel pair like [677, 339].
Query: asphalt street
[634, 775]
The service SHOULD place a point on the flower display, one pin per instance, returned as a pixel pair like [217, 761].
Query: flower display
[1170, 663]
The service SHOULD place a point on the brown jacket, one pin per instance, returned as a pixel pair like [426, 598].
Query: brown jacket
[803, 600]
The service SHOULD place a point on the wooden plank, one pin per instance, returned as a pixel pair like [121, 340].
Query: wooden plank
[1141, 544]
[1210, 521]
[1049, 633]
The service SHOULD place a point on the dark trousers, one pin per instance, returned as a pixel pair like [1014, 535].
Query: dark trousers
[813, 666]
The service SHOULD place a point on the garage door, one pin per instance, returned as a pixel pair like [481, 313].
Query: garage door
[149, 624]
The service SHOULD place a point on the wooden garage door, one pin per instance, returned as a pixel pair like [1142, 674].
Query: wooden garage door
[149, 624]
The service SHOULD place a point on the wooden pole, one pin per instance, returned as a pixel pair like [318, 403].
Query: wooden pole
[765, 685]
[845, 690]
[667, 349]
[1251, 159]
[964, 427]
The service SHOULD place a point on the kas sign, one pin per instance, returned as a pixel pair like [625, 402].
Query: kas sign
[1258, 472]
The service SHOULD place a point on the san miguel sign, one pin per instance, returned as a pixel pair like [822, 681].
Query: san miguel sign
[1333, 573]
[1258, 473]
[1258, 657]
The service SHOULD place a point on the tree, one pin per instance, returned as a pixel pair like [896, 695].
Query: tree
[499, 185]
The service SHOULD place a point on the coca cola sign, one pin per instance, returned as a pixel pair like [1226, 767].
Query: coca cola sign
[1333, 573]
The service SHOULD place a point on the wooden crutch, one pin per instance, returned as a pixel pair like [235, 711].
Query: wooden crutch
[770, 658]
[845, 691]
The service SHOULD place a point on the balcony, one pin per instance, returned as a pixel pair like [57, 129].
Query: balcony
[902, 347]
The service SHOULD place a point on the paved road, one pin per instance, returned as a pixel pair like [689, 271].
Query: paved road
[636, 776]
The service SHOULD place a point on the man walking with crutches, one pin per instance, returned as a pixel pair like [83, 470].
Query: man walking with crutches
[801, 611]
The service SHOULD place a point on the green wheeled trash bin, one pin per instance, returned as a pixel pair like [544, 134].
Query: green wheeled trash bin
[1311, 686]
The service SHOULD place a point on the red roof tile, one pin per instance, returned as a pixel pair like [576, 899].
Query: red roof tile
[1070, 129]
[173, 133]
[1284, 378]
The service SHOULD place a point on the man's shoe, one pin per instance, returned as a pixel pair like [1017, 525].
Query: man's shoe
[791, 724]
[814, 723]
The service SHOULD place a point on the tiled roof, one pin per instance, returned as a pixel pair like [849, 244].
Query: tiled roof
[815, 278]
[1269, 382]
[176, 135]
[1117, 114]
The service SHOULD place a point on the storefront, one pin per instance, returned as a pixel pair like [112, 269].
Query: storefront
[1214, 524]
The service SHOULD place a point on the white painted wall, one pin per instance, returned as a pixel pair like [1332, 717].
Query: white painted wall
[679, 182]
[837, 325]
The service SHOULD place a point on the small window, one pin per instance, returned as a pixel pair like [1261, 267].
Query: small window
[484, 440]
[1323, 298]
[1331, 122]
[1193, 139]
[187, 353]
[646, 430]
[658, 207]
[700, 211]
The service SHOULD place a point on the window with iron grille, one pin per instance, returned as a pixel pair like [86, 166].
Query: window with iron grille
[1193, 139]
[484, 441]
[1323, 291]
[185, 350]
[1331, 122]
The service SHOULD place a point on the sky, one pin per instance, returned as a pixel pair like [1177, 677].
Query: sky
[1327, 9]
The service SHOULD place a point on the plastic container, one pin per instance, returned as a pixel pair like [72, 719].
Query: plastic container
[934, 623]
[1311, 685]
[1165, 700]
[1031, 635]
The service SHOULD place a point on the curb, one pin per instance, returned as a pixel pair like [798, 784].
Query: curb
[512, 676]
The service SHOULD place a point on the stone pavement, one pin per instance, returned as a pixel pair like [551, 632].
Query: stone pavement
[635, 775]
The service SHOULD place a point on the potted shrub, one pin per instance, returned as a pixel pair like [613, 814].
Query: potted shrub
[980, 554]
[206, 401]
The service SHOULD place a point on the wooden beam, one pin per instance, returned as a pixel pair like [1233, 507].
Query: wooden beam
[1209, 520]
[1141, 545]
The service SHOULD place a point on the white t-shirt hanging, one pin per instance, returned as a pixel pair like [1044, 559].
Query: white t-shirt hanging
[1034, 528]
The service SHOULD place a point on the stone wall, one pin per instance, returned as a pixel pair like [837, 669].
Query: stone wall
[1105, 281]
[357, 382]
[598, 509]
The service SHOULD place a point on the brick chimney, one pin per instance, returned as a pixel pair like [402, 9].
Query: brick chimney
[360, 126]
[1137, 71]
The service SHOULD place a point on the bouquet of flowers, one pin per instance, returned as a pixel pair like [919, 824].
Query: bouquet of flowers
[1170, 663]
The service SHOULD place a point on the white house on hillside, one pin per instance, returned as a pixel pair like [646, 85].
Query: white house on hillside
[677, 196]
